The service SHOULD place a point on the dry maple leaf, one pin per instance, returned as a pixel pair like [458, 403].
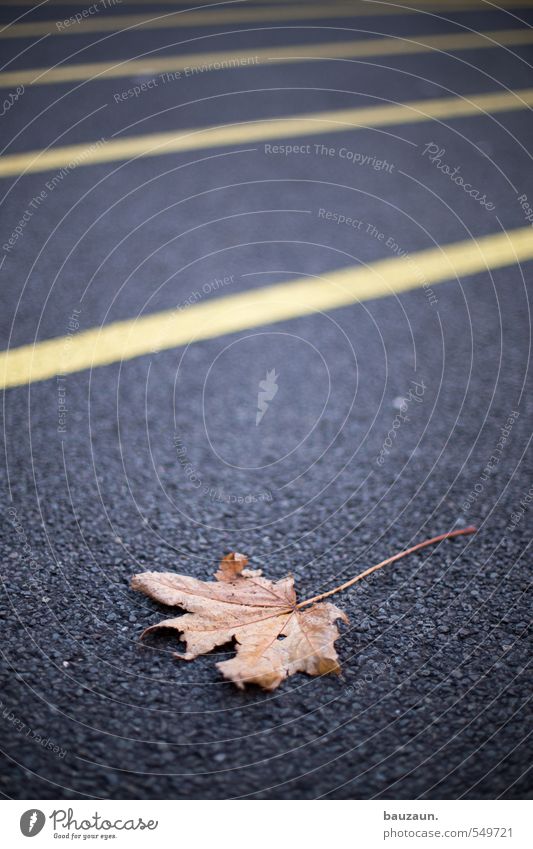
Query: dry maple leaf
[274, 635]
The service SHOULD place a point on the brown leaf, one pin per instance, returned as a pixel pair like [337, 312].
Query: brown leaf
[273, 637]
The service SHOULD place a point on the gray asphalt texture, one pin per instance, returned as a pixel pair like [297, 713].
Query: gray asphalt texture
[433, 699]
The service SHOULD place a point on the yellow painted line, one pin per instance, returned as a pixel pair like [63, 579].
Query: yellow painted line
[104, 22]
[405, 45]
[125, 340]
[261, 130]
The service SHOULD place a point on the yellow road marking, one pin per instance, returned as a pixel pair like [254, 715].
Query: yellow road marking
[339, 120]
[405, 45]
[235, 15]
[125, 340]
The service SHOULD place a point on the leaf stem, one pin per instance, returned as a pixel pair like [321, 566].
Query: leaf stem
[458, 532]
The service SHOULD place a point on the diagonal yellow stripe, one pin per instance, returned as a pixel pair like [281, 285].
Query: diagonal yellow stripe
[125, 340]
[403, 46]
[104, 22]
[339, 120]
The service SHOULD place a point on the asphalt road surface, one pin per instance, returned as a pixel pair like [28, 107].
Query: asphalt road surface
[399, 412]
